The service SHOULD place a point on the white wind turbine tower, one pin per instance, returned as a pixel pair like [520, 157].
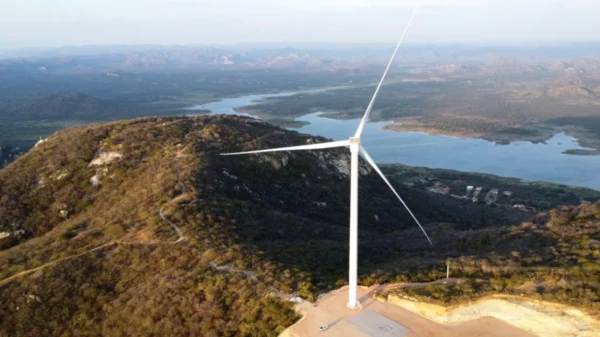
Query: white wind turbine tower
[355, 149]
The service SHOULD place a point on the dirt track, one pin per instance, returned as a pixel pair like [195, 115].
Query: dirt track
[111, 243]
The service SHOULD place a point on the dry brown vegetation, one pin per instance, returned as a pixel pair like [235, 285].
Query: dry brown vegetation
[560, 264]
[127, 288]
[281, 216]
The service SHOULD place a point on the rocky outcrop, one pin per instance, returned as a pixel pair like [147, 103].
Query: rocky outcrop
[105, 158]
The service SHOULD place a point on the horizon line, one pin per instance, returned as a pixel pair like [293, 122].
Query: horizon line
[291, 44]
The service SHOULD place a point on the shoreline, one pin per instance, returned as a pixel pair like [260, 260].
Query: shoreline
[543, 131]
[501, 133]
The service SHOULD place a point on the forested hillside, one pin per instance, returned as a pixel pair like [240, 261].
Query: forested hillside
[140, 228]
[555, 257]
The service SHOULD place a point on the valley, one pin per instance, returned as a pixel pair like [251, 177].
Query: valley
[35, 103]
[538, 161]
[485, 101]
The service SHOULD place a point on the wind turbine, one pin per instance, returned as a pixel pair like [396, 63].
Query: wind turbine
[355, 150]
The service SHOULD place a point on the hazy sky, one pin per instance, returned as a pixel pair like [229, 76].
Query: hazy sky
[42, 23]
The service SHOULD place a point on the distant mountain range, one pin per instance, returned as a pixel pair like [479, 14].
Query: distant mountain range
[305, 56]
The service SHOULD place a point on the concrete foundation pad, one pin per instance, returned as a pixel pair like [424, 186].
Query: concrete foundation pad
[374, 324]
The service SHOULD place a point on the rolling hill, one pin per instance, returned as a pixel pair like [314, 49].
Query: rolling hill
[140, 228]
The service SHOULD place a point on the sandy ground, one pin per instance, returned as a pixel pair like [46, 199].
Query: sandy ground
[538, 317]
[331, 309]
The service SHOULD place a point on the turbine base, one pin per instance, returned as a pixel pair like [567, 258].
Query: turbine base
[352, 306]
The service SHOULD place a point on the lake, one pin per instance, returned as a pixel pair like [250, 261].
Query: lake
[524, 160]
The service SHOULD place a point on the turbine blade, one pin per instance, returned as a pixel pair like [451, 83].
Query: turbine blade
[368, 158]
[295, 148]
[363, 121]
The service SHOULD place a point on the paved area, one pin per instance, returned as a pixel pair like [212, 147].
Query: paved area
[332, 310]
[374, 324]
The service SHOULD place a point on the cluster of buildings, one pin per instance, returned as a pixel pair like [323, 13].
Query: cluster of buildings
[476, 194]
[491, 197]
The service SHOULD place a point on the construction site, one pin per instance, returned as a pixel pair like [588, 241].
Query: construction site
[329, 316]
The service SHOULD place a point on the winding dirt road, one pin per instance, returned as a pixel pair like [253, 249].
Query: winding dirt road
[29, 271]
[111, 243]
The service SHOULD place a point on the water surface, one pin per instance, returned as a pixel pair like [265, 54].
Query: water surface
[524, 160]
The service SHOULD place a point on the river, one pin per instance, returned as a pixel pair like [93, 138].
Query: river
[524, 160]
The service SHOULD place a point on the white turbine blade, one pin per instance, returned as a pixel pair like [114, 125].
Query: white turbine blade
[368, 158]
[295, 148]
[363, 121]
